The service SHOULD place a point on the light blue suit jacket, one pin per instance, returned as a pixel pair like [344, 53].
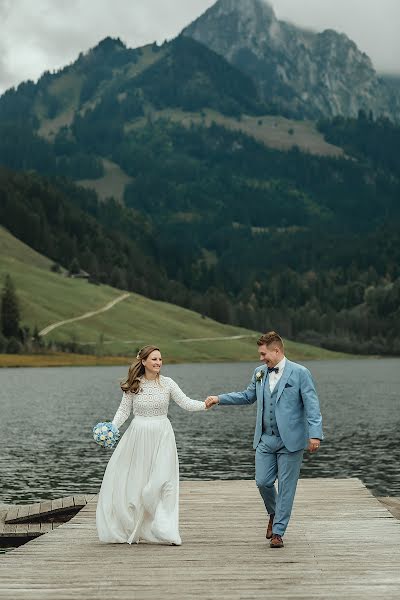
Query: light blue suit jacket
[297, 410]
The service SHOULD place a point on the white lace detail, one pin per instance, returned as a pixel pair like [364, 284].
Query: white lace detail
[124, 410]
[153, 400]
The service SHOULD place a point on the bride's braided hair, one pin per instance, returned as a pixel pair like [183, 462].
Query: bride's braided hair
[136, 370]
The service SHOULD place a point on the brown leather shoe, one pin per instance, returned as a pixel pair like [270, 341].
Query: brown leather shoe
[276, 541]
[268, 535]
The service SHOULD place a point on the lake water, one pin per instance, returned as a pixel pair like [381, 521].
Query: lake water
[47, 416]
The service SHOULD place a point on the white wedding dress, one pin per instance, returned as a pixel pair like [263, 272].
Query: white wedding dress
[139, 494]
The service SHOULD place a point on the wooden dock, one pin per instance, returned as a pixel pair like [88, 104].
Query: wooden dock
[341, 543]
[392, 504]
[23, 522]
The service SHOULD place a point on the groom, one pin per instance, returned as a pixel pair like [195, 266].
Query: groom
[288, 421]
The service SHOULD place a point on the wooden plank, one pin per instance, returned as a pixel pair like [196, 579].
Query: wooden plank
[392, 504]
[68, 502]
[79, 501]
[56, 504]
[90, 497]
[23, 511]
[16, 530]
[45, 507]
[8, 529]
[21, 530]
[34, 509]
[331, 551]
[11, 514]
[45, 527]
[34, 528]
[390, 501]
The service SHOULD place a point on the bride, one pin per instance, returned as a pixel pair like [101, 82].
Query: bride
[139, 494]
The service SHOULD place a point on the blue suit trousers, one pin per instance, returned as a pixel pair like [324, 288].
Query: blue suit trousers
[274, 461]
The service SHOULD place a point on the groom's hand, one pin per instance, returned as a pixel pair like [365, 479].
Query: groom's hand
[313, 444]
[211, 400]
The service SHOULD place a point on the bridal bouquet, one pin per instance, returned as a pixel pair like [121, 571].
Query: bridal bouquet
[106, 434]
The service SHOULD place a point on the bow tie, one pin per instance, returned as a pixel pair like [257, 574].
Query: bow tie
[270, 369]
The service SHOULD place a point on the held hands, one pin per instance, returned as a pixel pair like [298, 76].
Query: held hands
[313, 444]
[210, 401]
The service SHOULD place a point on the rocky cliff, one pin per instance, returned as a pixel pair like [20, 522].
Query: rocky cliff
[305, 74]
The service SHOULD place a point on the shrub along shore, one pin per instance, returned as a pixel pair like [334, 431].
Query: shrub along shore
[64, 359]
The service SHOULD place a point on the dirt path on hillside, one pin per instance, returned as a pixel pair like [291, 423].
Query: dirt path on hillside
[87, 315]
[180, 340]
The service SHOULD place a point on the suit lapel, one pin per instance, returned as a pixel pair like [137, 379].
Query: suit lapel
[260, 386]
[284, 379]
[264, 381]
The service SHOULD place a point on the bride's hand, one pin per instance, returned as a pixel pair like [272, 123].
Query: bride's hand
[211, 400]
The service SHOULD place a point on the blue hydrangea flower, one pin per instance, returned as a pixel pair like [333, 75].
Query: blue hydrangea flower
[106, 434]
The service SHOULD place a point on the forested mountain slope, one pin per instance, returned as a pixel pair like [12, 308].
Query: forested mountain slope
[46, 297]
[209, 217]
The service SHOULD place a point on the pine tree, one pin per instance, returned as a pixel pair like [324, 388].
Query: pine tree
[74, 267]
[37, 340]
[118, 278]
[10, 315]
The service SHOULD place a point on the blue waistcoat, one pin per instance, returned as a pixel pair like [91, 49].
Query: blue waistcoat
[270, 425]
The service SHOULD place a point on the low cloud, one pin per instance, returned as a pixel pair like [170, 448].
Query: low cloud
[48, 34]
[372, 24]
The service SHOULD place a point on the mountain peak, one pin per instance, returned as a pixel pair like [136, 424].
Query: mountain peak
[109, 44]
[249, 14]
[246, 7]
[305, 74]
[254, 20]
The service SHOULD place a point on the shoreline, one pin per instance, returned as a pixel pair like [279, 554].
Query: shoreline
[87, 360]
[60, 359]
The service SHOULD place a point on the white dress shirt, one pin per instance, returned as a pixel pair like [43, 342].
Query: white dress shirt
[273, 377]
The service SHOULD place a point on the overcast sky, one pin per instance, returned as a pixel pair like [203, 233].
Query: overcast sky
[37, 35]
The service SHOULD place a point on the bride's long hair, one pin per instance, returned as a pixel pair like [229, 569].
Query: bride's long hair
[137, 370]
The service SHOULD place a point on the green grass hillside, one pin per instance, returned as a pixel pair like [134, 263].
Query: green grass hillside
[273, 131]
[47, 297]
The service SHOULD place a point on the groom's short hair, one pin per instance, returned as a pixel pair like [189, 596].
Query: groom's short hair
[271, 337]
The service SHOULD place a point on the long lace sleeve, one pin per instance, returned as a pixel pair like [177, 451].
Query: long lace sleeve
[124, 410]
[182, 400]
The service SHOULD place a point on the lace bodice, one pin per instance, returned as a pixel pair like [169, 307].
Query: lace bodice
[153, 400]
